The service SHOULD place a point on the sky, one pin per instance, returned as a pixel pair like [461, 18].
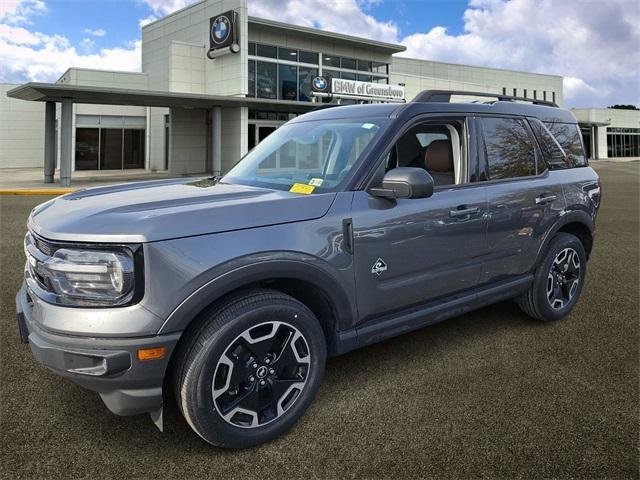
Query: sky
[593, 44]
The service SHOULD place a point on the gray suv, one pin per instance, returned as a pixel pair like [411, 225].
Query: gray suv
[346, 226]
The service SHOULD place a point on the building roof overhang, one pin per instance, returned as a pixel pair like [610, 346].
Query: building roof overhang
[53, 92]
[591, 123]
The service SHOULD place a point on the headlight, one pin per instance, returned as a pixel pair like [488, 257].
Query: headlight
[89, 277]
[82, 277]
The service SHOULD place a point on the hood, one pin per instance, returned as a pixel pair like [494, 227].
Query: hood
[163, 209]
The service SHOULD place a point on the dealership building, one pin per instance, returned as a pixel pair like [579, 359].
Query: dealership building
[215, 82]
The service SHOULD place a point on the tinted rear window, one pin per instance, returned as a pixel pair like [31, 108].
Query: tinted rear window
[509, 148]
[569, 138]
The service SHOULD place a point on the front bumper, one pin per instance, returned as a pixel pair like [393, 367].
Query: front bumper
[108, 366]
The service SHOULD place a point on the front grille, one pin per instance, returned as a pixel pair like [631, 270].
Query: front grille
[33, 263]
[44, 246]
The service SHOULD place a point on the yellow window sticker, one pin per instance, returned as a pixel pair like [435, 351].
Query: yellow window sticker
[316, 182]
[302, 188]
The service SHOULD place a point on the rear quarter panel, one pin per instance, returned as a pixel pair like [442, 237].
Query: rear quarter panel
[582, 199]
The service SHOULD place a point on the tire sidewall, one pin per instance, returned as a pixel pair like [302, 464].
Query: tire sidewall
[561, 242]
[209, 424]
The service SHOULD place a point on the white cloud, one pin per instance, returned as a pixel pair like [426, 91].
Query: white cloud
[98, 32]
[147, 20]
[19, 35]
[87, 44]
[342, 16]
[18, 11]
[164, 7]
[43, 58]
[34, 56]
[594, 45]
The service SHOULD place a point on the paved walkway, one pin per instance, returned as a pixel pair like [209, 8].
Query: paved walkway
[23, 180]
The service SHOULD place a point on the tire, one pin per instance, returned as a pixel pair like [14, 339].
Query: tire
[250, 368]
[556, 289]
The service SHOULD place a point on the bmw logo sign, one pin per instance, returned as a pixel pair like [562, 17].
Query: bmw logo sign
[320, 84]
[220, 30]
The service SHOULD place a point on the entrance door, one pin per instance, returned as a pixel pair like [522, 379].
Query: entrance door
[259, 130]
[264, 131]
[87, 148]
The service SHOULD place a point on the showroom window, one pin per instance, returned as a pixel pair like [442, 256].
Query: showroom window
[286, 73]
[105, 142]
[281, 73]
[623, 142]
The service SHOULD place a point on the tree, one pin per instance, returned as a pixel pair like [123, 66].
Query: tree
[624, 107]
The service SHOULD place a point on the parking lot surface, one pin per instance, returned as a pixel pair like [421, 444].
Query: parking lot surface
[488, 394]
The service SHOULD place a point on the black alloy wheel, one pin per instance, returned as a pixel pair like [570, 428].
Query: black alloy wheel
[261, 374]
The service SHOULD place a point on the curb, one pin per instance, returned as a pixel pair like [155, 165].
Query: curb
[37, 191]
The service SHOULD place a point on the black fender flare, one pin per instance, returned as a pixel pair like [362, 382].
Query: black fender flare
[572, 216]
[265, 266]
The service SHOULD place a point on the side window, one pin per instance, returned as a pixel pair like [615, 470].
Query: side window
[569, 138]
[436, 147]
[510, 152]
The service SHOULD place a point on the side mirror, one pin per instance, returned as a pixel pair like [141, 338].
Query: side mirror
[405, 182]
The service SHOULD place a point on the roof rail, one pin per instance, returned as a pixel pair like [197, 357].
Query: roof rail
[428, 96]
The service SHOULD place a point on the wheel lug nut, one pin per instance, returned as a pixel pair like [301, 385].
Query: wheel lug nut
[262, 382]
[254, 365]
[272, 371]
[252, 378]
[267, 361]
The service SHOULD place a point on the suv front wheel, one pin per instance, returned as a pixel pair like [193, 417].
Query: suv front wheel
[558, 280]
[251, 369]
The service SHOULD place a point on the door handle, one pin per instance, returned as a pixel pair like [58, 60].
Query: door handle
[463, 212]
[347, 235]
[542, 199]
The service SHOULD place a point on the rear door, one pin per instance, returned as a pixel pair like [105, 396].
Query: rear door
[524, 198]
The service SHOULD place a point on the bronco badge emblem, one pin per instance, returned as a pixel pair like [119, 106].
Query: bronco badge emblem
[379, 267]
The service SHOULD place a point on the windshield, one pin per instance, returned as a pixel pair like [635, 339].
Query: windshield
[306, 157]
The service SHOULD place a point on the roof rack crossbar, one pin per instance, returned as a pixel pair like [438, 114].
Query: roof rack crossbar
[428, 96]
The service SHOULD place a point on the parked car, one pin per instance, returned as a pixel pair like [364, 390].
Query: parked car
[235, 290]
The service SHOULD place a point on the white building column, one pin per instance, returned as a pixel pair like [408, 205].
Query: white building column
[216, 141]
[601, 135]
[49, 141]
[66, 141]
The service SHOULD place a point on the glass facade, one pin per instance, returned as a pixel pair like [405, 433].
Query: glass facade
[352, 68]
[281, 73]
[623, 142]
[286, 73]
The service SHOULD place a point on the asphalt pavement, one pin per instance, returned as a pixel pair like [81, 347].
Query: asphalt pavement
[488, 394]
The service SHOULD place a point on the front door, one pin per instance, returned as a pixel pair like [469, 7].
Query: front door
[411, 251]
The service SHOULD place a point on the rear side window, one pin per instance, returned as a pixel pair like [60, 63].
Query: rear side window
[569, 138]
[509, 149]
[551, 150]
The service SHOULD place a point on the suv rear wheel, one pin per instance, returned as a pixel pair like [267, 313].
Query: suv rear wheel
[251, 369]
[558, 280]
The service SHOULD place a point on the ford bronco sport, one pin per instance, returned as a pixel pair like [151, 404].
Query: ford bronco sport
[346, 226]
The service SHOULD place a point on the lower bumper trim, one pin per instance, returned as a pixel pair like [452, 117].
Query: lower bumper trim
[22, 328]
[108, 366]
